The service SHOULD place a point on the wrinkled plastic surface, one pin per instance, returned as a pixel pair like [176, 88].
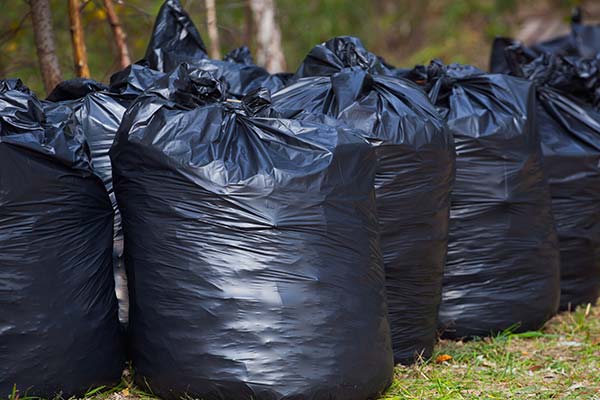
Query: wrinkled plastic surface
[91, 111]
[251, 249]
[134, 80]
[73, 89]
[416, 156]
[569, 127]
[576, 76]
[174, 39]
[59, 331]
[503, 263]
[241, 79]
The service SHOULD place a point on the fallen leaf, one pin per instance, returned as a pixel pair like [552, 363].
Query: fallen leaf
[535, 368]
[443, 358]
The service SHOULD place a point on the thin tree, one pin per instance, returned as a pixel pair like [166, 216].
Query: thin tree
[118, 33]
[77, 39]
[268, 36]
[43, 35]
[248, 24]
[213, 32]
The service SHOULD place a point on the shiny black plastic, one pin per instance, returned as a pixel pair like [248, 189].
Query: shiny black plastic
[252, 250]
[414, 179]
[569, 127]
[73, 89]
[59, 332]
[91, 111]
[134, 80]
[503, 264]
[241, 79]
[174, 39]
[88, 109]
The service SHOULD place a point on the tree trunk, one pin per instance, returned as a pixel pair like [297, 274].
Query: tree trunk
[77, 38]
[268, 36]
[248, 24]
[43, 34]
[119, 34]
[213, 32]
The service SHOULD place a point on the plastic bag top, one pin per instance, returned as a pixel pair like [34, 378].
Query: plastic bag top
[337, 54]
[378, 105]
[174, 39]
[241, 79]
[577, 76]
[14, 84]
[188, 86]
[241, 55]
[77, 88]
[134, 80]
[441, 81]
[439, 77]
[23, 124]
[231, 145]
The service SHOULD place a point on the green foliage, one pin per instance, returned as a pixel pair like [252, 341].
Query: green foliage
[404, 32]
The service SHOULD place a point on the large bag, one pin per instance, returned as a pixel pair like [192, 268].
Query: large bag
[416, 155]
[503, 265]
[59, 332]
[252, 251]
[568, 94]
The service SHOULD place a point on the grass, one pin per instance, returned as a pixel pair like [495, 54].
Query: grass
[562, 361]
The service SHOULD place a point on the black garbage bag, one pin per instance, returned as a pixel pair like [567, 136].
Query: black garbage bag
[94, 112]
[240, 55]
[59, 332]
[251, 243]
[582, 41]
[76, 88]
[241, 79]
[134, 80]
[89, 110]
[577, 76]
[174, 39]
[502, 270]
[416, 155]
[569, 127]
[14, 84]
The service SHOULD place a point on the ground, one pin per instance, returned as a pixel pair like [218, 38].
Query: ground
[562, 361]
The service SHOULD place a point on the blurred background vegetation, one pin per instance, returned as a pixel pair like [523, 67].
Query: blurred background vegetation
[404, 32]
